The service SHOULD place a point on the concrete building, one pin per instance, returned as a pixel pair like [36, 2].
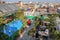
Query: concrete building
[42, 9]
[51, 9]
[1, 2]
[28, 13]
[58, 10]
[25, 6]
[57, 22]
[37, 5]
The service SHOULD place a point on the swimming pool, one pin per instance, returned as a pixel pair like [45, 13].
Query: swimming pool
[13, 27]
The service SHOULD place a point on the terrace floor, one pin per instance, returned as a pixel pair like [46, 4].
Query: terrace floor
[25, 36]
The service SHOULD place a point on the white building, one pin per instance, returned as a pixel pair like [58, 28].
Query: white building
[58, 10]
[36, 13]
[28, 13]
[57, 22]
[51, 5]
[44, 5]
[37, 5]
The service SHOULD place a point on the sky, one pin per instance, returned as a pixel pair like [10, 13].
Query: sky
[54, 1]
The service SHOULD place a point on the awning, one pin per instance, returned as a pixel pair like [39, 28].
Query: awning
[44, 18]
[30, 17]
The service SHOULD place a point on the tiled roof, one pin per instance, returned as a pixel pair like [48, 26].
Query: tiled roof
[8, 8]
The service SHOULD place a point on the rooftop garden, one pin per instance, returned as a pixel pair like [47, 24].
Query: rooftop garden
[19, 15]
[54, 34]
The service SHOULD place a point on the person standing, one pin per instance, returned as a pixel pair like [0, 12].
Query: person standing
[29, 22]
[45, 37]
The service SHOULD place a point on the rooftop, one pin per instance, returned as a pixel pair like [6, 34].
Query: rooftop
[8, 8]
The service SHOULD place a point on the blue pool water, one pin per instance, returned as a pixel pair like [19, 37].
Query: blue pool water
[13, 27]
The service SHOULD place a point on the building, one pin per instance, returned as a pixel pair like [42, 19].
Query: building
[37, 5]
[57, 22]
[1, 2]
[25, 6]
[42, 9]
[20, 4]
[58, 10]
[28, 13]
[8, 9]
[51, 9]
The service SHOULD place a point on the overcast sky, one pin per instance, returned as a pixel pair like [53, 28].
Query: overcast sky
[54, 1]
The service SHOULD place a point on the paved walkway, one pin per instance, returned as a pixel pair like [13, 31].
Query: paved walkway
[25, 36]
